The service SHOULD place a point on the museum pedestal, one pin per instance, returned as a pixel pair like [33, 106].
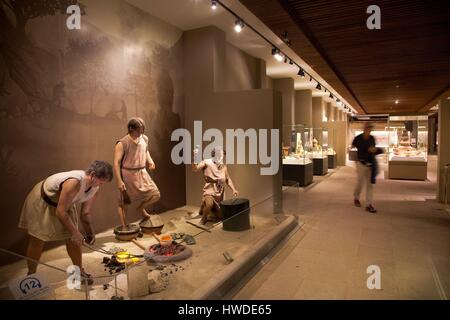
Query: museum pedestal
[302, 174]
[332, 161]
[320, 166]
[408, 170]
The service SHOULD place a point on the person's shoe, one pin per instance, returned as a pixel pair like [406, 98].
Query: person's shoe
[357, 203]
[86, 277]
[371, 209]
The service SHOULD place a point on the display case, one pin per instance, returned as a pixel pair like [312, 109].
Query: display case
[297, 163]
[328, 143]
[319, 154]
[408, 146]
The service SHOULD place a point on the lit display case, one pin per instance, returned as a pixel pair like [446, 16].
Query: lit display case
[319, 152]
[328, 145]
[408, 147]
[297, 155]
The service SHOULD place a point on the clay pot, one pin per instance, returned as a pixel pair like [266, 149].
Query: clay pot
[129, 233]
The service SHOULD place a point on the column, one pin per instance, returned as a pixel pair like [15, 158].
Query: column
[286, 87]
[443, 146]
[303, 107]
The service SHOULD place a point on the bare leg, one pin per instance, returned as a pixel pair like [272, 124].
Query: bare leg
[208, 204]
[74, 252]
[34, 251]
[147, 202]
[122, 209]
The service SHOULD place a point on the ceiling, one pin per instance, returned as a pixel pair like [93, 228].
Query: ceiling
[192, 14]
[407, 60]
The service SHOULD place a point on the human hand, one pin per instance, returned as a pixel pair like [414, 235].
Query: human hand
[90, 239]
[121, 186]
[152, 166]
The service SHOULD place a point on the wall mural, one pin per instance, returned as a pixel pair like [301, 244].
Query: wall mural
[65, 97]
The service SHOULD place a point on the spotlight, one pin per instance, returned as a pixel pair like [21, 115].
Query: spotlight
[277, 54]
[291, 62]
[318, 87]
[339, 102]
[396, 101]
[213, 4]
[285, 59]
[301, 73]
[331, 96]
[238, 26]
[310, 78]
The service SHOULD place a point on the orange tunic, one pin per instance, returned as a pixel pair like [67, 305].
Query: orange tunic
[139, 184]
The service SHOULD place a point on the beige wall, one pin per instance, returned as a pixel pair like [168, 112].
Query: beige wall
[330, 112]
[303, 107]
[81, 87]
[317, 112]
[258, 109]
[286, 87]
[443, 147]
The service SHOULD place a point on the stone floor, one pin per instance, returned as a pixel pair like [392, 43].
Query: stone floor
[409, 239]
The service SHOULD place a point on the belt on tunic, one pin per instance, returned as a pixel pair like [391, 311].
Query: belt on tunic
[46, 198]
[133, 169]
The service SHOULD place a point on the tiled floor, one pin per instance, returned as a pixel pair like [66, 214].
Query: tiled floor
[409, 239]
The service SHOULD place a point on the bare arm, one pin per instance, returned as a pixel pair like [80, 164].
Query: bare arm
[118, 155]
[150, 163]
[69, 190]
[198, 166]
[230, 184]
[86, 220]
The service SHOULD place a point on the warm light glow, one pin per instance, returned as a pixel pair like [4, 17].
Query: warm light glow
[238, 26]
[214, 5]
[278, 57]
[396, 101]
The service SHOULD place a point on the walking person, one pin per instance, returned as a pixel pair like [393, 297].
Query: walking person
[366, 166]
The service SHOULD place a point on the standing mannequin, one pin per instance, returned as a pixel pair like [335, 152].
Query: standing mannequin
[131, 159]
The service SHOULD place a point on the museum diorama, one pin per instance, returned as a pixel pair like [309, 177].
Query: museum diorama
[408, 147]
[297, 163]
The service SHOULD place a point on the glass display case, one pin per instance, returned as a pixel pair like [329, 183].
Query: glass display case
[319, 153]
[328, 145]
[408, 147]
[297, 155]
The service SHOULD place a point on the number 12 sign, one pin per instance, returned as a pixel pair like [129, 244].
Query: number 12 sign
[32, 287]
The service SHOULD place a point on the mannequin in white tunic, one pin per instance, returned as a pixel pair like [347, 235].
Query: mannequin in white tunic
[49, 212]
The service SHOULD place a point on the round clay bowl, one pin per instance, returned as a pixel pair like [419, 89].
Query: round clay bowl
[127, 234]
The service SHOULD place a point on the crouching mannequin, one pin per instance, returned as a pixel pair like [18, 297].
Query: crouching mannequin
[216, 176]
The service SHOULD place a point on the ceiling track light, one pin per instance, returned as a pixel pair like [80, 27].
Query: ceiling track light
[301, 73]
[238, 25]
[277, 54]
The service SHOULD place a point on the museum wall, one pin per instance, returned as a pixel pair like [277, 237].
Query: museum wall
[286, 87]
[66, 97]
[208, 98]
